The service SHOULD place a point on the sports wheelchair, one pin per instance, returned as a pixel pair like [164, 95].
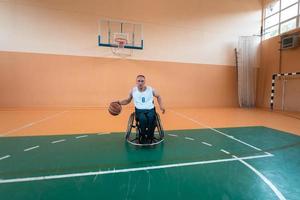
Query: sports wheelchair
[135, 138]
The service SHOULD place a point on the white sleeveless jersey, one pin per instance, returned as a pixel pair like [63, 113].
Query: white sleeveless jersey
[143, 100]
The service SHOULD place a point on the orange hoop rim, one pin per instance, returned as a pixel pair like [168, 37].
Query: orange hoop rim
[121, 41]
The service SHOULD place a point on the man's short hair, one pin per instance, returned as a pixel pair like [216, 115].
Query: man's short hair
[140, 75]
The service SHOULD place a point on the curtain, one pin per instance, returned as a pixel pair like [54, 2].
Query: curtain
[247, 63]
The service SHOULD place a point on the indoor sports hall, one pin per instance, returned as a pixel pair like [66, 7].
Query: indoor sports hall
[149, 99]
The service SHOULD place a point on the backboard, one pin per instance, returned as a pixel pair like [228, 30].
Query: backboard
[120, 34]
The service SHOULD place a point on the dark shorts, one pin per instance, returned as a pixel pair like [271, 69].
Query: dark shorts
[146, 119]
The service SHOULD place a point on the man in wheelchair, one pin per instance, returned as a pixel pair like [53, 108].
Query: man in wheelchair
[145, 114]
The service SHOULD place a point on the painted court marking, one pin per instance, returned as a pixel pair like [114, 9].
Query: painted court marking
[267, 181]
[4, 157]
[103, 133]
[173, 135]
[224, 151]
[82, 136]
[220, 132]
[31, 148]
[152, 144]
[58, 141]
[32, 123]
[206, 144]
[117, 171]
[268, 153]
[189, 138]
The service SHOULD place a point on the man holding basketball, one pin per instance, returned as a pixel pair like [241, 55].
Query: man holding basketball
[142, 96]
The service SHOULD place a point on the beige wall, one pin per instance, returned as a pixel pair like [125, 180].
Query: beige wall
[270, 65]
[30, 80]
[191, 31]
[49, 54]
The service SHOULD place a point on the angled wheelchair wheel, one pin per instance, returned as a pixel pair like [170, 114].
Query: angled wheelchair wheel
[135, 139]
[130, 126]
[159, 127]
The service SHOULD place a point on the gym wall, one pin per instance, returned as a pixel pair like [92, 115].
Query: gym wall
[49, 54]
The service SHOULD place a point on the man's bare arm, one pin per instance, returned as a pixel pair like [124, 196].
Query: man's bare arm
[159, 100]
[126, 101]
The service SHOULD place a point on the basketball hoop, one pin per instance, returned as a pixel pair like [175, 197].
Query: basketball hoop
[122, 37]
[121, 42]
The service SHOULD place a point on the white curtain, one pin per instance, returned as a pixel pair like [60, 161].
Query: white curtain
[248, 62]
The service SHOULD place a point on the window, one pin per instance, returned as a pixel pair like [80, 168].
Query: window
[289, 25]
[272, 8]
[271, 32]
[280, 16]
[272, 20]
[286, 3]
[289, 13]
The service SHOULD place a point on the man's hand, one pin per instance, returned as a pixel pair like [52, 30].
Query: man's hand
[117, 101]
[163, 110]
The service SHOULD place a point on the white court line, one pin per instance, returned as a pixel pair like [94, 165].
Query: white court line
[58, 141]
[104, 133]
[173, 135]
[4, 157]
[82, 136]
[206, 126]
[206, 144]
[224, 151]
[268, 153]
[189, 138]
[32, 123]
[31, 148]
[267, 181]
[152, 144]
[117, 171]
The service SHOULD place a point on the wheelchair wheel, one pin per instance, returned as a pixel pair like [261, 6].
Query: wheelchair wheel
[129, 125]
[159, 127]
[135, 139]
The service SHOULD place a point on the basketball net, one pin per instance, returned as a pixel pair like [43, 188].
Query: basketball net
[121, 40]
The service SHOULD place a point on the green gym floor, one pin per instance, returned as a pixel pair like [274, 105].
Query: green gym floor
[253, 162]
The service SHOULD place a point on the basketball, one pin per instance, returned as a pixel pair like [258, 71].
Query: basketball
[115, 108]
